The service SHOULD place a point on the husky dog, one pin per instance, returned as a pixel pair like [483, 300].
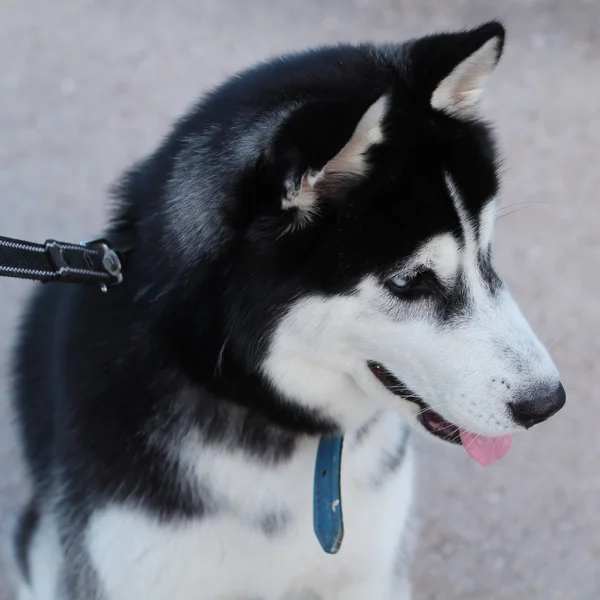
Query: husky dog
[310, 260]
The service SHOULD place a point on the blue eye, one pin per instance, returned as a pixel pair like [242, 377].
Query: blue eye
[398, 282]
[416, 286]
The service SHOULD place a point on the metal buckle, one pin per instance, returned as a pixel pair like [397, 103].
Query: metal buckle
[110, 261]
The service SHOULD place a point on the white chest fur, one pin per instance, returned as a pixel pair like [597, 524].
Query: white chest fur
[261, 545]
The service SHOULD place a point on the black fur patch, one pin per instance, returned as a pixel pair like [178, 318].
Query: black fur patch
[274, 523]
[363, 431]
[488, 273]
[26, 527]
[392, 460]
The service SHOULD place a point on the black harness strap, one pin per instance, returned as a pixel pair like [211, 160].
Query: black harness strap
[89, 262]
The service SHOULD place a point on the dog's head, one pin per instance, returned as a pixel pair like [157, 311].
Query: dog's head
[341, 205]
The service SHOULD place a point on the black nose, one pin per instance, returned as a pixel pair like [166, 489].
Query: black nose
[538, 407]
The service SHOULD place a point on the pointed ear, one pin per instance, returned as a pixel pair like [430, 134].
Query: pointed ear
[341, 170]
[352, 157]
[459, 92]
[452, 68]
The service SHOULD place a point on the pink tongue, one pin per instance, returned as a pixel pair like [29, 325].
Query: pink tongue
[485, 450]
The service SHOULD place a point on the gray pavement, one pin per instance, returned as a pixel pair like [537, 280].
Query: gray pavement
[88, 86]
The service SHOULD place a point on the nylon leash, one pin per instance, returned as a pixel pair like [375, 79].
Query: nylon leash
[93, 261]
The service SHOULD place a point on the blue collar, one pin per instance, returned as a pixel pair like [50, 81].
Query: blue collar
[327, 497]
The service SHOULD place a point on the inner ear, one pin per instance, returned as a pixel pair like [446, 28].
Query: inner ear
[458, 93]
[343, 169]
[352, 158]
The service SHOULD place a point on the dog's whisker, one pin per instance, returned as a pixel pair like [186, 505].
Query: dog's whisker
[521, 202]
[473, 441]
[559, 340]
[512, 212]
[432, 408]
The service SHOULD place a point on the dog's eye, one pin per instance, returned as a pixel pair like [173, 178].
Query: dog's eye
[413, 287]
[398, 282]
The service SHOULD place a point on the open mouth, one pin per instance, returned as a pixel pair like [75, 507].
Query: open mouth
[432, 421]
[485, 450]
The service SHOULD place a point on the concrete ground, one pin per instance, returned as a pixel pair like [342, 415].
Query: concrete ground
[88, 86]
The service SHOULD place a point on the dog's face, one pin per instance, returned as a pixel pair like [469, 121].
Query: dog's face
[360, 272]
